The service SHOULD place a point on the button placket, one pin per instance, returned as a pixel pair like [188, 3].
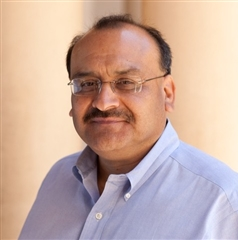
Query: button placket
[100, 213]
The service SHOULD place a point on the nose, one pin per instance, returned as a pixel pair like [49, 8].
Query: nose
[106, 99]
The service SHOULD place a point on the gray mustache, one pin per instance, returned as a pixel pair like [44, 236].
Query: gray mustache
[128, 116]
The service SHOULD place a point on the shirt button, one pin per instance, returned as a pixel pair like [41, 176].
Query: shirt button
[98, 216]
[128, 195]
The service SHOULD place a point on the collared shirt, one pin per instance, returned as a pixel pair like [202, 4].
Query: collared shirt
[175, 192]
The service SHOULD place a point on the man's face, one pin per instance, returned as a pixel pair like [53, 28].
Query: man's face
[134, 121]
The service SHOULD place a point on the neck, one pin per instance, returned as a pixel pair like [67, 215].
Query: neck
[106, 168]
[114, 165]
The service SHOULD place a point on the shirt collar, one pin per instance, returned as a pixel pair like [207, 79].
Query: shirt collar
[87, 162]
[161, 150]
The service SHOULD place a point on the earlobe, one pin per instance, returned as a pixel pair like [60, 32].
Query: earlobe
[169, 90]
[71, 113]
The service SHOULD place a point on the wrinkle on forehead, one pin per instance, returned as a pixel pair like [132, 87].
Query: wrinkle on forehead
[130, 70]
[110, 66]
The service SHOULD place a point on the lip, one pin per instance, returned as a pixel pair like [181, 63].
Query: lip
[107, 120]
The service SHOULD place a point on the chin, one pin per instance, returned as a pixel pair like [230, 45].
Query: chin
[107, 144]
[106, 139]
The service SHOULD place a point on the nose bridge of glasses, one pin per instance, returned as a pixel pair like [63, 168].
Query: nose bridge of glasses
[138, 88]
[111, 83]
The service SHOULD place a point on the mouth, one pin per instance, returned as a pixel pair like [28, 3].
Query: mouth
[107, 120]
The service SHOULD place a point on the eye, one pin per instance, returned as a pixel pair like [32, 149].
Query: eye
[125, 84]
[87, 85]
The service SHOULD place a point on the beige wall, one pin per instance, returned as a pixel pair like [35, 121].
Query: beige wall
[36, 129]
[204, 40]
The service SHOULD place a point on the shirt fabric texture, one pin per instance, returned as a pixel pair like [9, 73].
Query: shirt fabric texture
[175, 192]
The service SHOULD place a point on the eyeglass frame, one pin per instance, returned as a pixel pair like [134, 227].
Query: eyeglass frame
[137, 89]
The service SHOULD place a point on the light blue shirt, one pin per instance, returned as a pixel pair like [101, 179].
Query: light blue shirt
[175, 192]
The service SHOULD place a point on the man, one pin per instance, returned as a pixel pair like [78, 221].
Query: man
[135, 179]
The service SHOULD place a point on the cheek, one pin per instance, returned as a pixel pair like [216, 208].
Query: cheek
[143, 107]
[79, 108]
[154, 107]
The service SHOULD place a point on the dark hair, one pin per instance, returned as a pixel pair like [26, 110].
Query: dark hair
[116, 21]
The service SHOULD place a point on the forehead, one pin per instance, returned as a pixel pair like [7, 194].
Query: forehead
[122, 46]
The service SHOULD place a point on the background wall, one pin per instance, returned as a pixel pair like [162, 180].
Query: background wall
[203, 37]
[36, 129]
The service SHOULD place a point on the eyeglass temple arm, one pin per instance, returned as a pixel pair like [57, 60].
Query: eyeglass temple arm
[167, 73]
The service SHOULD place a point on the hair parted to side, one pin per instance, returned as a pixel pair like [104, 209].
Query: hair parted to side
[117, 21]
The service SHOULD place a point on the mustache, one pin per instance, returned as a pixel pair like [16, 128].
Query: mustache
[92, 113]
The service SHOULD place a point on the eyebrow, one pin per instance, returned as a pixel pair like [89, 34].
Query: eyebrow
[83, 74]
[132, 70]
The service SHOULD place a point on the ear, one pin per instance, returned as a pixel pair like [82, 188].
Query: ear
[71, 113]
[169, 90]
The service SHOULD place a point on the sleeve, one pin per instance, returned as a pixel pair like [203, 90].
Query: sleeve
[225, 229]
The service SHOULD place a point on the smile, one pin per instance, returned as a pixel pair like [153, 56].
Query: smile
[107, 120]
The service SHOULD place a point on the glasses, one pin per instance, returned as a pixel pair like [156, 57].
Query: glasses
[89, 85]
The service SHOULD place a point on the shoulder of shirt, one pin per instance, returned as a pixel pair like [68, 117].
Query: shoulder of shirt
[211, 169]
[67, 161]
[62, 169]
